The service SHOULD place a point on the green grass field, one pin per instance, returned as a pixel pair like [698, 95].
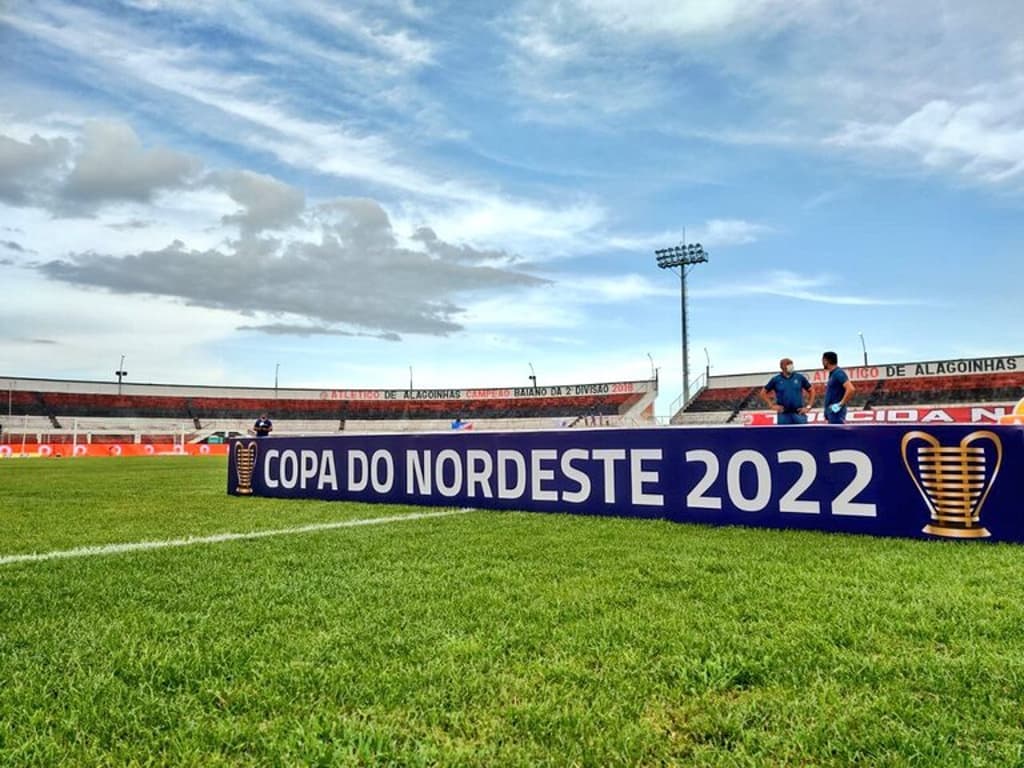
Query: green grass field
[497, 639]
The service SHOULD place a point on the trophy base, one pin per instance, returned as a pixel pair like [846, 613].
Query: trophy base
[243, 491]
[956, 533]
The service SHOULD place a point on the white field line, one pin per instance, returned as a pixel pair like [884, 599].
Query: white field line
[140, 546]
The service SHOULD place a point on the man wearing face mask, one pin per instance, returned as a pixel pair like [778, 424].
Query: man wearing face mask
[789, 388]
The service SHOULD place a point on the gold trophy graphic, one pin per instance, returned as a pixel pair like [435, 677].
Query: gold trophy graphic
[954, 480]
[245, 460]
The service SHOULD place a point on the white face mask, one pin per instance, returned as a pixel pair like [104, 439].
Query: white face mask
[790, 368]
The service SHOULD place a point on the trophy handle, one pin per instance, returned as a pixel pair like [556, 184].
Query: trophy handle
[998, 445]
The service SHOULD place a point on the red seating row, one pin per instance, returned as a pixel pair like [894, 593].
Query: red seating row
[981, 388]
[25, 403]
[60, 404]
[88, 404]
[965, 381]
[724, 399]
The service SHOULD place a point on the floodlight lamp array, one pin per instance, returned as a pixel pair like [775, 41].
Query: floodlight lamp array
[681, 255]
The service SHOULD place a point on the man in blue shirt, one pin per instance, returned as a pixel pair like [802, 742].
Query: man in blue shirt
[789, 388]
[263, 426]
[838, 390]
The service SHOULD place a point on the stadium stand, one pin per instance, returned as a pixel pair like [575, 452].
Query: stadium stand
[61, 411]
[52, 410]
[973, 381]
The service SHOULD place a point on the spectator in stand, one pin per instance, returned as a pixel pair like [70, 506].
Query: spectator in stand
[789, 388]
[263, 426]
[838, 390]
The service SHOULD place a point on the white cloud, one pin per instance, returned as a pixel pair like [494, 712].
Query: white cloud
[353, 275]
[166, 343]
[793, 286]
[397, 44]
[603, 290]
[538, 43]
[243, 109]
[983, 139]
[687, 19]
[939, 85]
[711, 234]
[267, 203]
[532, 310]
[27, 167]
[308, 144]
[563, 69]
[567, 303]
[113, 165]
[518, 225]
[725, 232]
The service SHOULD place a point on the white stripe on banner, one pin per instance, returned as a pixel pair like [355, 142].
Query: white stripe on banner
[140, 546]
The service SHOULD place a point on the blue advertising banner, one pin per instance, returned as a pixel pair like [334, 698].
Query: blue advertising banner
[949, 481]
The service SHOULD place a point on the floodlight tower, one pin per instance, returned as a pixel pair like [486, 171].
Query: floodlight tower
[683, 257]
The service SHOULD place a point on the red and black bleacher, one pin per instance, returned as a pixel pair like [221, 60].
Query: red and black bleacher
[200, 409]
[998, 387]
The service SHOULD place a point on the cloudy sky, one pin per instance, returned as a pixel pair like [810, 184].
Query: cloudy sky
[343, 191]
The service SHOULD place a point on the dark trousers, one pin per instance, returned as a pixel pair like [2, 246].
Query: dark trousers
[835, 418]
[787, 417]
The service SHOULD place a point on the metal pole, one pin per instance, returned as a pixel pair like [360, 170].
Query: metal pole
[277, 368]
[863, 346]
[410, 377]
[686, 341]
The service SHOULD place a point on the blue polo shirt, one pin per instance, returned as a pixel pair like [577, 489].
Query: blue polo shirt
[788, 390]
[834, 390]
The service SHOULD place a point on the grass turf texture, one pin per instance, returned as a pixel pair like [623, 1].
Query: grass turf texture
[485, 639]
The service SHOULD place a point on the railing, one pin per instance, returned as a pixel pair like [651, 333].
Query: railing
[697, 385]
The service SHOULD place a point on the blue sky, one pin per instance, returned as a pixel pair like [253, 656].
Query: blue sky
[344, 191]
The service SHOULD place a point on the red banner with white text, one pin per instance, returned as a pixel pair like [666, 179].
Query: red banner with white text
[56, 451]
[990, 413]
